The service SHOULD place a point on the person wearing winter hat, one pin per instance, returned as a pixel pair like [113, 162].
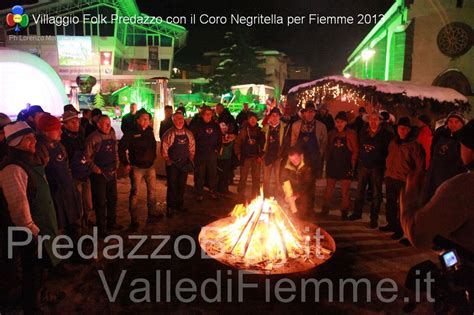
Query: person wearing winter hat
[275, 132]
[65, 195]
[325, 117]
[342, 153]
[74, 142]
[446, 159]
[311, 135]
[4, 120]
[425, 136]
[373, 149]
[33, 114]
[448, 214]
[249, 150]
[405, 156]
[25, 199]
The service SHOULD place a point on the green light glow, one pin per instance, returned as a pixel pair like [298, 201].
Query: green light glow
[388, 40]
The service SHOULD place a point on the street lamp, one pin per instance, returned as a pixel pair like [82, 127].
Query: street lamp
[366, 55]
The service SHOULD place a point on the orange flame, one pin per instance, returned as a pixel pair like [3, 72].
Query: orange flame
[261, 231]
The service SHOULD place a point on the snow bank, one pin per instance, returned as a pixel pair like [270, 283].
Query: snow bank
[394, 87]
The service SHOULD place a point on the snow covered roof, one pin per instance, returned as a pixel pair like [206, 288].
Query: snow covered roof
[408, 89]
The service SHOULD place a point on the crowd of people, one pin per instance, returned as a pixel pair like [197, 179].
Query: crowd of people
[54, 172]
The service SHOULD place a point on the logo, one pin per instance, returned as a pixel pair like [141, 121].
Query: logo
[17, 18]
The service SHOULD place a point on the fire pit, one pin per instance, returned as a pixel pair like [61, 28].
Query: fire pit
[262, 238]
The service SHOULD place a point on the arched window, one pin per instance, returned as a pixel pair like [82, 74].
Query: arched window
[454, 79]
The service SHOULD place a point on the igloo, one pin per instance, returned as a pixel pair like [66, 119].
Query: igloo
[28, 79]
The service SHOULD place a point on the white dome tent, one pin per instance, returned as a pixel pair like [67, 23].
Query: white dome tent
[27, 79]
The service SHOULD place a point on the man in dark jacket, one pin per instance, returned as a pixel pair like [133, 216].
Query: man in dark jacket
[243, 115]
[166, 123]
[140, 144]
[128, 120]
[90, 128]
[405, 156]
[224, 116]
[208, 137]
[359, 120]
[342, 153]
[373, 150]
[249, 150]
[449, 213]
[297, 179]
[86, 118]
[324, 117]
[446, 159]
[102, 157]
[75, 144]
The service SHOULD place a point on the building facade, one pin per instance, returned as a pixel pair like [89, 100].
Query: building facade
[425, 42]
[108, 39]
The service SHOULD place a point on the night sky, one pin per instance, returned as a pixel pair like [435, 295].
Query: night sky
[323, 47]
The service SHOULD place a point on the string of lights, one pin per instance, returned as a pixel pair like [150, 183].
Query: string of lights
[330, 89]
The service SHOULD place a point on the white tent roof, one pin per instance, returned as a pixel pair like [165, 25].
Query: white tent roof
[28, 79]
[394, 87]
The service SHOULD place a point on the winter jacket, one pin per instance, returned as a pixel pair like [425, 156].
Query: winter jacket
[282, 134]
[242, 149]
[93, 143]
[320, 130]
[75, 146]
[208, 137]
[242, 117]
[72, 141]
[352, 143]
[404, 157]
[448, 214]
[128, 123]
[25, 198]
[227, 118]
[327, 120]
[141, 147]
[300, 177]
[168, 141]
[373, 148]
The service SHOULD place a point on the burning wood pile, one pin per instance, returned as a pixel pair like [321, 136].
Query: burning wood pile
[262, 238]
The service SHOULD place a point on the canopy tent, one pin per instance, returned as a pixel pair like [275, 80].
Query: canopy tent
[394, 96]
[27, 79]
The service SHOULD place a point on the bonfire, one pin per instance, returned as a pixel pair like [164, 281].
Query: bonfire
[262, 237]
